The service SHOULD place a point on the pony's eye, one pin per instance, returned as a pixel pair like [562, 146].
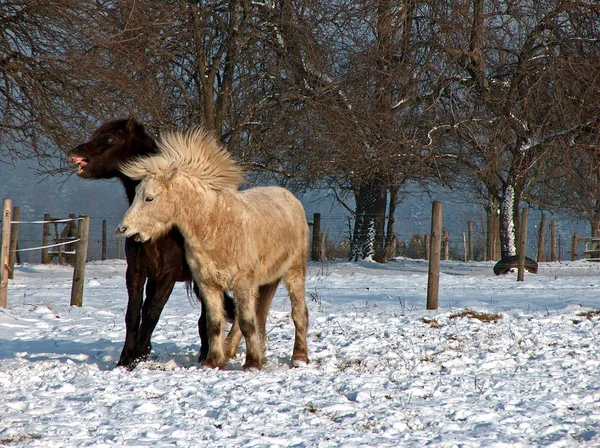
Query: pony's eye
[149, 199]
[111, 140]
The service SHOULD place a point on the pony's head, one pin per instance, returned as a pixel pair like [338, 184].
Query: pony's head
[111, 145]
[186, 167]
[151, 212]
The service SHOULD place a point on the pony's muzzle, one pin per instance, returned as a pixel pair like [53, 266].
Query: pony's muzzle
[124, 231]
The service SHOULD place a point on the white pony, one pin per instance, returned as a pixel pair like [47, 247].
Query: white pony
[234, 240]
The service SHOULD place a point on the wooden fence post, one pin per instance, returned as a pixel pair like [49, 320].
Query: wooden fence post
[553, 240]
[466, 254]
[446, 245]
[522, 245]
[559, 248]
[80, 259]
[433, 277]
[574, 244]
[540, 248]
[427, 239]
[470, 239]
[46, 239]
[14, 241]
[104, 239]
[4, 253]
[316, 238]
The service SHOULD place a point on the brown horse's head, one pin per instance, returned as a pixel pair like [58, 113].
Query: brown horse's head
[111, 145]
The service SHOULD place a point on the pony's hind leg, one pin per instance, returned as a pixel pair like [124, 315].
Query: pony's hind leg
[295, 281]
[213, 305]
[232, 341]
[246, 314]
[263, 304]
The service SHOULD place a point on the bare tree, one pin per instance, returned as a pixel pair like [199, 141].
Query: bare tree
[503, 91]
[354, 102]
[39, 99]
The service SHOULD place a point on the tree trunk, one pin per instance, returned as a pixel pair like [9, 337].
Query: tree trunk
[390, 242]
[367, 237]
[595, 223]
[507, 223]
[393, 202]
[493, 229]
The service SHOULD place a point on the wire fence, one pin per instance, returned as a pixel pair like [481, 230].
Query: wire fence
[74, 237]
[337, 227]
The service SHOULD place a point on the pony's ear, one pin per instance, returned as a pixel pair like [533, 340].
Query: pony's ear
[170, 173]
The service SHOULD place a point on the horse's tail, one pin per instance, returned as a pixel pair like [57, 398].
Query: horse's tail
[193, 292]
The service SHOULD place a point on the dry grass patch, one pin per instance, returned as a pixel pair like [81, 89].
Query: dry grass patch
[589, 314]
[432, 322]
[19, 439]
[483, 317]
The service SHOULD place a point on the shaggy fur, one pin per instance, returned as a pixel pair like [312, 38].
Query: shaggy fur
[234, 240]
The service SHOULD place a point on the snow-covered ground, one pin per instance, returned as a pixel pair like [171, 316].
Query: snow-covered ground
[501, 363]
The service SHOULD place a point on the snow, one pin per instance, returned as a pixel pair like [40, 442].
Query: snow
[384, 372]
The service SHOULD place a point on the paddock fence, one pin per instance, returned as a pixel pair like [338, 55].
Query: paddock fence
[66, 241]
[70, 245]
[467, 239]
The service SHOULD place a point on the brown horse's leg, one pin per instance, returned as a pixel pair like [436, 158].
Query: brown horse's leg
[246, 316]
[212, 298]
[203, 333]
[135, 279]
[295, 282]
[263, 304]
[157, 295]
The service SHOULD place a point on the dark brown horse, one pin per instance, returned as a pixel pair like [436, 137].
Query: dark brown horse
[158, 264]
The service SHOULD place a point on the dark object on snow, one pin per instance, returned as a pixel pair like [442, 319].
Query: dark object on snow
[158, 264]
[508, 263]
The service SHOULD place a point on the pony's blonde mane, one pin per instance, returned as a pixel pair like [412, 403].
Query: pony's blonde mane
[195, 153]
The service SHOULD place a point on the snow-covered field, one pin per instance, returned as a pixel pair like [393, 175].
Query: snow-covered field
[501, 363]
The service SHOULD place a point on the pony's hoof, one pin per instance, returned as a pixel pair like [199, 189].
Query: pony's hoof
[253, 365]
[212, 363]
[300, 360]
[299, 363]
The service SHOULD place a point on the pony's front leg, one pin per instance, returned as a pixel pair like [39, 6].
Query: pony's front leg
[246, 314]
[212, 298]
